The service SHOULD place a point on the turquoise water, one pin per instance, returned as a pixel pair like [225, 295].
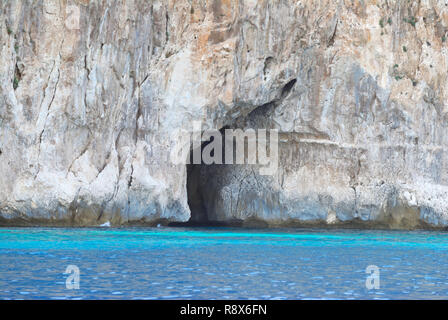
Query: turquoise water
[221, 263]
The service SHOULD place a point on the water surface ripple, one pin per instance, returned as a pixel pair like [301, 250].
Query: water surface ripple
[221, 263]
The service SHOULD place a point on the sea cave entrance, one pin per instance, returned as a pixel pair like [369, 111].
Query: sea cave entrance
[195, 194]
[201, 184]
[204, 181]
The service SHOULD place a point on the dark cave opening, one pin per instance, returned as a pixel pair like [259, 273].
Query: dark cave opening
[196, 199]
[197, 177]
[201, 178]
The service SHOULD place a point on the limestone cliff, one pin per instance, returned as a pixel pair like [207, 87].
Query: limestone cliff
[357, 89]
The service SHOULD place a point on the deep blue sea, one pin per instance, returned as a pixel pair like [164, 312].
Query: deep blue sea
[221, 263]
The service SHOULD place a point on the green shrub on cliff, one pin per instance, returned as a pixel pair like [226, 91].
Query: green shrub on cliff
[411, 20]
[15, 83]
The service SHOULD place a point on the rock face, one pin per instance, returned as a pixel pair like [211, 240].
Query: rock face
[91, 93]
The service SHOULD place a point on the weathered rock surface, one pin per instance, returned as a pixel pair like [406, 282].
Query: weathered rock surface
[357, 89]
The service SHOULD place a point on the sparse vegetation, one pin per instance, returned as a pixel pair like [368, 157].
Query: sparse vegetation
[396, 73]
[15, 83]
[443, 39]
[382, 21]
[8, 29]
[411, 20]
[16, 48]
